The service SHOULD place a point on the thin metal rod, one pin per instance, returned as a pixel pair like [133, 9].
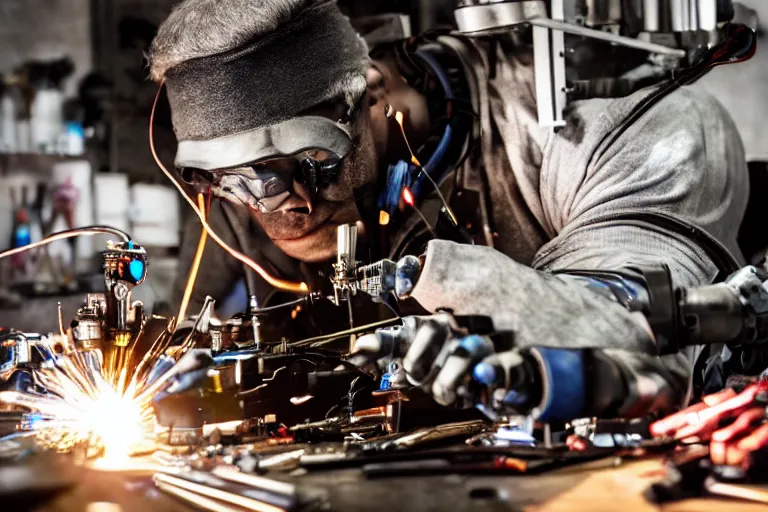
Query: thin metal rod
[198, 500]
[341, 334]
[607, 36]
[217, 494]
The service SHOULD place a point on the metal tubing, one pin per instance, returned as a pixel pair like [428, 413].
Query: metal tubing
[707, 14]
[651, 15]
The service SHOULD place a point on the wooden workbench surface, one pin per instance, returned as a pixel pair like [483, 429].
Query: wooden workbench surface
[587, 488]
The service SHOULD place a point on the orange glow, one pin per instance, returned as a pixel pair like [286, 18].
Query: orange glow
[400, 118]
[408, 197]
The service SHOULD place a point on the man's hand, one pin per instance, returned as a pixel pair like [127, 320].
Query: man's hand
[455, 367]
[462, 361]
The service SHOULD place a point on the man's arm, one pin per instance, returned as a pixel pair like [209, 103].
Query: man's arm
[683, 158]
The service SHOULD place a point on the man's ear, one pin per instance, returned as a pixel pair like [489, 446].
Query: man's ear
[387, 87]
[377, 85]
[377, 101]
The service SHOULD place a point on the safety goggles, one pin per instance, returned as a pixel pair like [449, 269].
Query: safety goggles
[266, 184]
[306, 149]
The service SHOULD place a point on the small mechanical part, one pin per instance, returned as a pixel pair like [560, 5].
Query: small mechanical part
[253, 307]
[125, 266]
[376, 279]
[122, 339]
[375, 415]
[611, 433]
[216, 340]
[345, 262]
[384, 277]
[86, 330]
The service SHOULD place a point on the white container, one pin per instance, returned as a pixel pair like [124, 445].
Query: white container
[155, 215]
[8, 126]
[23, 136]
[47, 120]
[112, 203]
[112, 199]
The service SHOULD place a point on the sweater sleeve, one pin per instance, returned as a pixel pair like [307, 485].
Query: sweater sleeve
[683, 158]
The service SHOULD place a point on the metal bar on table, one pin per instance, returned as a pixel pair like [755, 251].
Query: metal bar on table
[216, 494]
[195, 499]
[266, 484]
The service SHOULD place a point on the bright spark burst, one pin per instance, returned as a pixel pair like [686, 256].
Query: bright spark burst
[83, 405]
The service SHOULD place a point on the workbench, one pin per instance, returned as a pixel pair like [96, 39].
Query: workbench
[595, 486]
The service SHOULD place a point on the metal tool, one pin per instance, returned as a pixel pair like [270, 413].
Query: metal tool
[345, 262]
[674, 33]
[253, 306]
[125, 266]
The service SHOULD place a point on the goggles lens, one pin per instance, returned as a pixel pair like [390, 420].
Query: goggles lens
[267, 183]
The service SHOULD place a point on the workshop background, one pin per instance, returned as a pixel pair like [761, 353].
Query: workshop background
[74, 112]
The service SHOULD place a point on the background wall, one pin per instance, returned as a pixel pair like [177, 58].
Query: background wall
[46, 29]
[742, 89]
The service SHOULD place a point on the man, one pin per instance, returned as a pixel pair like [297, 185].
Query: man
[254, 84]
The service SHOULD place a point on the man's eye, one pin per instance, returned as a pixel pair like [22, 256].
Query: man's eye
[274, 186]
[320, 155]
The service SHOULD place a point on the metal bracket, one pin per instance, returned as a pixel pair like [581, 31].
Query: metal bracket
[549, 69]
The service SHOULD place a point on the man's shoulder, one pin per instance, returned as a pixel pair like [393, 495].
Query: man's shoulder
[684, 104]
[590, 123]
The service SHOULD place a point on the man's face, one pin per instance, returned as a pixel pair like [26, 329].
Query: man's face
[305, 229]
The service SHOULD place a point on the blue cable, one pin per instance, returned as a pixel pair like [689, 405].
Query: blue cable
[402, 174]
[445, 141]
[398, 176]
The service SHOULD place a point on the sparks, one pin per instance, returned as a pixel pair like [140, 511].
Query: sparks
[76, 403]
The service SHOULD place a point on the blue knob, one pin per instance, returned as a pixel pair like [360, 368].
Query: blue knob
[137, 269]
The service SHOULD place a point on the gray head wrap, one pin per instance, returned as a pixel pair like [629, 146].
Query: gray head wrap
[237, 103]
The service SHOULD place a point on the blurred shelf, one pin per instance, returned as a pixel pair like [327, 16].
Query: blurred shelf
[33, 162]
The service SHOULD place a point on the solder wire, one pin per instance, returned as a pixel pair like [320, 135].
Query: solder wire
[277, 283]
[415, 161]
[195, 263]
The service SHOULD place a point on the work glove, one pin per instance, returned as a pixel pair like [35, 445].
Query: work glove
[462, 361]
[439, 355]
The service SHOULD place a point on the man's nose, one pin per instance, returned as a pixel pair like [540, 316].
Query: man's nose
[300, 201]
